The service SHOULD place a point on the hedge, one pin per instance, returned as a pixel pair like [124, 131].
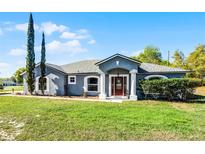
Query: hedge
[169, 89]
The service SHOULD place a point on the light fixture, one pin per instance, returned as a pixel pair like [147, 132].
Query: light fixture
[117, 62]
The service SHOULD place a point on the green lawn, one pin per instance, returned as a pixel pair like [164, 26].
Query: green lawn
[47, 119]
[8, 89]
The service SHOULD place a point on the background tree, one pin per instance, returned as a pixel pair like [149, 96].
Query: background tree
[13, 78]
[30, 58]
[17, 77]
[165, 63]
[42, 64]
[151, 54]
[196, 62]
[179, 59]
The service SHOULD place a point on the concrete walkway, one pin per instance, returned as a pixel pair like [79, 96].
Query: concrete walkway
[65, 98]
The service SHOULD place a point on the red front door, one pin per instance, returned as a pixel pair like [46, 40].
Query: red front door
[117, 86]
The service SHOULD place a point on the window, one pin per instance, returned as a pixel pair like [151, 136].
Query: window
[92, 84]
[44, 80]
[154, 77]
[72, 79]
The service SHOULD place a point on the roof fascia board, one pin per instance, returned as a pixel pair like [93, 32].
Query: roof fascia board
[117, 55]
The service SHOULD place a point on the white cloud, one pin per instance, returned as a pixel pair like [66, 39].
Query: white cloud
[49, 28]
[4, 66]
[17, 52]
[68, 35]
[24, 27]
[71, 35]
[71, 47]
[73, 43]
[91, 42]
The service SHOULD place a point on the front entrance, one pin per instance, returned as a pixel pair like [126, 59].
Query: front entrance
[119, 85]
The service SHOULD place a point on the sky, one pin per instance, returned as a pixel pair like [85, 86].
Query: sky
[72, 37]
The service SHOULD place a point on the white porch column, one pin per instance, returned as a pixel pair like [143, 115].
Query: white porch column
[133, 95]
[102, 86]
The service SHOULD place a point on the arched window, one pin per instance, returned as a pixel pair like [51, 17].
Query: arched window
[45, 80]
[154, 77]
[91, 83]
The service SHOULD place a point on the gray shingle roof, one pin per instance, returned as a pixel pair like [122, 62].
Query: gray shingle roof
[85, 66]
[89, 66]
[148, 67]
[57, 67]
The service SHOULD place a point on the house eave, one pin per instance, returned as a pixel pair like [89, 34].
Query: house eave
[167, 72]
[49, 67]
[83, 73]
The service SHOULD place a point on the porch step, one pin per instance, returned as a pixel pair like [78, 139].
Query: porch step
[116, 99]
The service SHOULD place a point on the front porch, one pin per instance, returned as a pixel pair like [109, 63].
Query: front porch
[118, 84]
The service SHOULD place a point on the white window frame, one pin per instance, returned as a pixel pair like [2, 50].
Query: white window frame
[37, 84]
[86, 83]
[154, 76]
[69, 77]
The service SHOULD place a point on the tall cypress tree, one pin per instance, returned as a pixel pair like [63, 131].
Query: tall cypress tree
[43, 65]
[30, 57]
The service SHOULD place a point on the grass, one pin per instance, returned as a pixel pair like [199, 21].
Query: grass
[48, 119]
[8, 89]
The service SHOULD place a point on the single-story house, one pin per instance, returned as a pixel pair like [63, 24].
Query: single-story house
[115, 76]
[9, 83]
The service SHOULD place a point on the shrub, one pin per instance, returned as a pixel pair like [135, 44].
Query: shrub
[1, 87]
[170, 89]
[196, 82]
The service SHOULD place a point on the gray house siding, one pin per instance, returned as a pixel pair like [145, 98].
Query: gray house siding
[123, 64]
[77, 89]
[56, 81]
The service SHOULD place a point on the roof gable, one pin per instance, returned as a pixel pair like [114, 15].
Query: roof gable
[117, 55]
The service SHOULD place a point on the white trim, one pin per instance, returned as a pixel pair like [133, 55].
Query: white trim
[69, 82]
[133, 95]
[134, 71]
[153, 76]
[37, 84]
[85, 87]
[117, 55]
[110, 82]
